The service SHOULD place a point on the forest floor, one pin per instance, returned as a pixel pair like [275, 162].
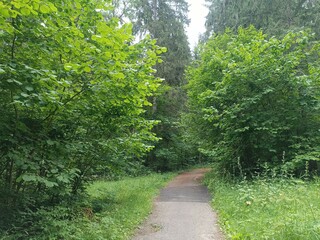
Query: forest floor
[182, 212]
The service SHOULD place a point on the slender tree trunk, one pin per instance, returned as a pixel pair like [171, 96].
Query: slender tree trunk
[155, 10]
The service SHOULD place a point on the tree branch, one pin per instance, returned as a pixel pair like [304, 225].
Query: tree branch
[65, 103]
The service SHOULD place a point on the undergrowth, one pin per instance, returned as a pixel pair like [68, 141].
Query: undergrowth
[111, 210]
[119, 207]
[277, 208]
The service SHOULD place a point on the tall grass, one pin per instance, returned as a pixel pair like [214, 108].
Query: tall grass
[119, 207]
[111, 210]
[276, 208]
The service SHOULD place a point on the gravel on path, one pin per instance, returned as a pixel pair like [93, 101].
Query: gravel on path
[182, 212]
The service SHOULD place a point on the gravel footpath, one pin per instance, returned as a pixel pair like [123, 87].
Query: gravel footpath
[182, 212]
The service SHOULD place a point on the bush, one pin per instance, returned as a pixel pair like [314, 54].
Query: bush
[255, 100]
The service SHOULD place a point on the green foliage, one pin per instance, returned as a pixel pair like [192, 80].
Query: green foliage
[171, 151]
[166, 22]
[111, 210]
[255, 99]
[74, 86]
[265, 208]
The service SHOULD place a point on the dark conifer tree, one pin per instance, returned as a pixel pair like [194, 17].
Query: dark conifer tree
[273, 16]
[165, 21]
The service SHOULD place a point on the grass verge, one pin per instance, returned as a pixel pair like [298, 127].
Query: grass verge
[111, 210]
[117, 208]
[267, 208]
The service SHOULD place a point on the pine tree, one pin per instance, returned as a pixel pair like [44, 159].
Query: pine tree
[273, 16]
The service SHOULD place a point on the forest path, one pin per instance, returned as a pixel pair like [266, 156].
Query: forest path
[182, 212]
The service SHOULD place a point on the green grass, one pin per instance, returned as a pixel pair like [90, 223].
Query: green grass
[267, 209]
[111, 210]
[118, 207]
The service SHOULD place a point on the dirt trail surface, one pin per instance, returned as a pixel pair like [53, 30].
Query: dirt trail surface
[182, 212]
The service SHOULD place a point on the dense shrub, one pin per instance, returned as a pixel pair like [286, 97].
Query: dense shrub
[73, 88]
[255, 99]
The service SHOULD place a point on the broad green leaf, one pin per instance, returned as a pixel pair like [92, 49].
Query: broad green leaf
[25, 11]
[52, 7]
[49, 184]
[68, 67]
[29, 88]
[87, 69]
[44, 9]
[29, 178]
[5, 12]
[119, 75]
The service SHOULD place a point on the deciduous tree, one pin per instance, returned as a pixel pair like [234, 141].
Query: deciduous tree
[255, 100]
[74, 87]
